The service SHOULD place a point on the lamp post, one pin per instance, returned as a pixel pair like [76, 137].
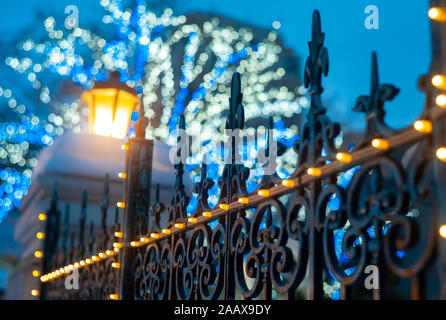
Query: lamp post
[110, 106]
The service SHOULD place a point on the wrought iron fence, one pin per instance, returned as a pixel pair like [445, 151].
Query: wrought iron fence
[279, 239]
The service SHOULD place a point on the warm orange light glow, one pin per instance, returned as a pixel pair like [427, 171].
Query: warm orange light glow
[154, 235]
[441, 154]
[36, 273]
[442, 231]
[380, 144]
[38, 254]
[109, 252]
[40, 235]
[42, 217]
[437, 14]
[122, 175]
[102, 255]
[243, 200]
[118, 234]
[423, 126]
[344, 157]
[315, 172]
[94, 258]
[144, 240]
[207, 214]
[116, 265]
[116, 245]
[179, 225]
[441, 100]
[88, 261]
[289, 183]
[114, 296]
[125, 147]
[109, 111]
[120, 204]
[34, 292]
[166, 231]
[224, 206]
[263, 193]
[192, 220]
[134, 243]
[438, 81]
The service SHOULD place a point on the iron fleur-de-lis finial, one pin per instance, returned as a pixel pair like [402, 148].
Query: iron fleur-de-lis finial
[202, 189]
[179, 201]
[236, 115]
[233, 180]
[317, 64]
[373, 105]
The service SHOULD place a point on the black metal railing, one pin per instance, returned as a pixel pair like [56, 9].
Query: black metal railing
[288, 238]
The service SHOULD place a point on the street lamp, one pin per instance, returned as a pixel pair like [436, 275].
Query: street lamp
[110, 106]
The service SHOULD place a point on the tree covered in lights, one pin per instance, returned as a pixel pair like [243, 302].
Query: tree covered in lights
[177, 63]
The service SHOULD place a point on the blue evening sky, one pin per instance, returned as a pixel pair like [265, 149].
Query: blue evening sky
[402, 42]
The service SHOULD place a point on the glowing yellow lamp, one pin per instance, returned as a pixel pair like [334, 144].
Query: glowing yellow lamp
[110, 106]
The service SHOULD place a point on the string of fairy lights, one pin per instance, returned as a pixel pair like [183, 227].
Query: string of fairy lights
[344, 162]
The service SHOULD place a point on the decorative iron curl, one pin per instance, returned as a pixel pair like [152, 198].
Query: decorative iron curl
[336, 220]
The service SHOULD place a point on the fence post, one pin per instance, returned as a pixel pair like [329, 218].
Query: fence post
[137, 196]
[51, 237]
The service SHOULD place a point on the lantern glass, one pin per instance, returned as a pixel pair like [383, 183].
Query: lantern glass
[109, 111]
